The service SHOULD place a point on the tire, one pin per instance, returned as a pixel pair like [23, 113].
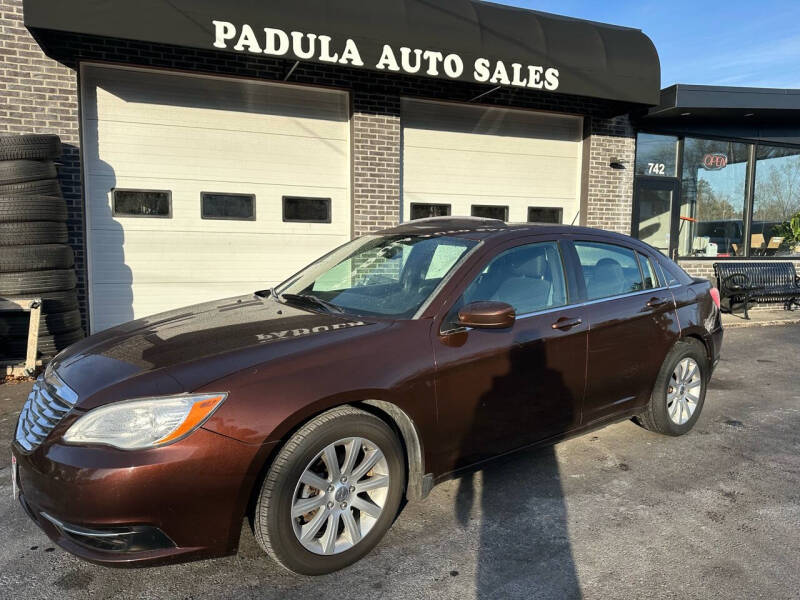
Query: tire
[18, 209]
[36, 258]
[31, 234]
[31, 282]
[17, 324]
[21, 171]
[49, 345]
[31, 147]
[273, 524]
[656, 416]
[58, 302]
[44, 187]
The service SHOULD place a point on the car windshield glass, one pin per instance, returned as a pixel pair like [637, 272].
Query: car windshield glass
[381, 275]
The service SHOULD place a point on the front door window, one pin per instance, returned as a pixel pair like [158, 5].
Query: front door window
[529, 278]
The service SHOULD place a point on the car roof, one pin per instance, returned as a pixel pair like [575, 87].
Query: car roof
[482, 229]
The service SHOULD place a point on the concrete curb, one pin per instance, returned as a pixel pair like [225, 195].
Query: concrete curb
[740, 324]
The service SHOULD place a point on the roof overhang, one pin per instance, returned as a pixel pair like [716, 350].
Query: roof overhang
[537, 51]
[712, 102]
[759, 114]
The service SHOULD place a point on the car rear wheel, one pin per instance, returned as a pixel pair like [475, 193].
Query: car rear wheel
[679, 391]
[332, 492]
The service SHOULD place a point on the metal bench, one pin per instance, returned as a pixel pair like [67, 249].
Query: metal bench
[759, 282]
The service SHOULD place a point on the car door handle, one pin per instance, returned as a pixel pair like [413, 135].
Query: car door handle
[565, 323]
[656, 302]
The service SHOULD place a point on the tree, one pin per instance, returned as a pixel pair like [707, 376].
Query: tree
[777, 194]
[714, 206]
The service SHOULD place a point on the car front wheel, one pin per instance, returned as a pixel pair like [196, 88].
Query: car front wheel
[331, 493]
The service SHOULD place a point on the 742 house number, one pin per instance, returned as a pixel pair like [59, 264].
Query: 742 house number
[656, 168]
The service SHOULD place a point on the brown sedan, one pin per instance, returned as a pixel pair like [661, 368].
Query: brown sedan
[389, 365]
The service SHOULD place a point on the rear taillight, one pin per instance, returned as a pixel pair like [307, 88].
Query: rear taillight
[715, 296]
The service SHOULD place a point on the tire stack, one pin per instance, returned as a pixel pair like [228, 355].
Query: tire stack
[35, 260]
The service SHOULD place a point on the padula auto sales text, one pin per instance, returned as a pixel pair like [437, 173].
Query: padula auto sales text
[322, 48]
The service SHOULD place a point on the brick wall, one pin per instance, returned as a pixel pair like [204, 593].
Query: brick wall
[376, 161]
[698, 268]
[609, 191]
[39, 94]
[705, 268]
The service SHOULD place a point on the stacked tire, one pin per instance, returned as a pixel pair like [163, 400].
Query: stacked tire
[35, 260]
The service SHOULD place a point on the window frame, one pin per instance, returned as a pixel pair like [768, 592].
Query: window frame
[328, 201]
[580, 282]
[750, 181]
[205, 218]
[115, 214]
[639, 256]
[470, 273]
[462, 275]
[631, 249]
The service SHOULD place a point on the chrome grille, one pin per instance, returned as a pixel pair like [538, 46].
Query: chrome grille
[49, 401]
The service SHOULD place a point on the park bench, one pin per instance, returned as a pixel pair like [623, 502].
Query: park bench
[758, 282]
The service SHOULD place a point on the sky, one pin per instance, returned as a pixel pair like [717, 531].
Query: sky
[730, 42]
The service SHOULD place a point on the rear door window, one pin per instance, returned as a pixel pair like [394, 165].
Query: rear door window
[608, 270]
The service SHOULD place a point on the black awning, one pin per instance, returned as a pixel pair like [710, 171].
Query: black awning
[478, 41]
[750, 114]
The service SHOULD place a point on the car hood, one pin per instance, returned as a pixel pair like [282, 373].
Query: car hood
[181, 350]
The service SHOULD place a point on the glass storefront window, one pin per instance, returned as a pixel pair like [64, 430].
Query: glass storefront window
[713, 198]
[776, 201]
[656, 155]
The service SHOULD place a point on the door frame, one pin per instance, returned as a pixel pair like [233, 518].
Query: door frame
[671, 184]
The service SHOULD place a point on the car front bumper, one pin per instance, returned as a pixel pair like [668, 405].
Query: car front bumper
[177, 503]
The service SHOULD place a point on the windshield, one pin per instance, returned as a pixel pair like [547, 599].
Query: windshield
[381, 275]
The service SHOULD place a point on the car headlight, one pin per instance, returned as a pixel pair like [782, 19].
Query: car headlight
[144, 423]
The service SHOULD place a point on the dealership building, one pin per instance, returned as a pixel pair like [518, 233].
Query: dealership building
[213, 148]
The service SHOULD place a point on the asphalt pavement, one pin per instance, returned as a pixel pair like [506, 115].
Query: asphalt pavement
[617, 513]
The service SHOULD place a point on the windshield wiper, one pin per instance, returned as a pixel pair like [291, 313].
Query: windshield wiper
[309, 299]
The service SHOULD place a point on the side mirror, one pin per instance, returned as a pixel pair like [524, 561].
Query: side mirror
[487, 315]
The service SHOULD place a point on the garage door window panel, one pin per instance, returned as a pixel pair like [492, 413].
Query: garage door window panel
[298, 209]
[490, 212]
[608, 270]
[420, 210]
[142, 203]
[538, 214]
[229, 207]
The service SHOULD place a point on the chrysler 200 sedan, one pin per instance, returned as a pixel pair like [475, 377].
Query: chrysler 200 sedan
[393, 363]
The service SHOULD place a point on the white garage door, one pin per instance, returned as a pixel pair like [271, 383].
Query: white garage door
[471, 160]
[199, 188]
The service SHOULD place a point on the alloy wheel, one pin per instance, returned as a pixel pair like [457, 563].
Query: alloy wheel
[683, 392]
[340, 496]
